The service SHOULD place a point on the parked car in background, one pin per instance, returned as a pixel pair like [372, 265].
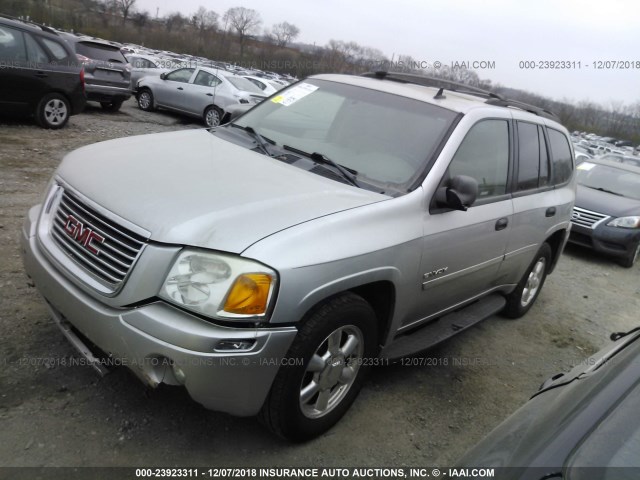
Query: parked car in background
[268, 87]
[580, 425]
[606, 216]
[198, 92]
[621, 158]
[145, 65]
[581, 154]
[39, 74]
[107, 72]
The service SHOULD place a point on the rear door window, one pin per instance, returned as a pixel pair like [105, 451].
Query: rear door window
[35, 52]
[528, 156]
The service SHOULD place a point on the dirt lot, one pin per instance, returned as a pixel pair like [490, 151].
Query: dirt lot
[405, 416]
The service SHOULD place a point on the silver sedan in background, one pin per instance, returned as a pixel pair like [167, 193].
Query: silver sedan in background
[200, 92]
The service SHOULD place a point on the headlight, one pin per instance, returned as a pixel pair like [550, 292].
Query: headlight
[219, 285]
[625, 222]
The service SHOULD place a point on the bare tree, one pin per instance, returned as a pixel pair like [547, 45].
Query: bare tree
[205, 20]
[284, 32]
[125, 7]
[245, 22]
[175, 21]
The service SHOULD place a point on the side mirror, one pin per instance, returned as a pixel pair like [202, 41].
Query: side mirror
[460, 193]
[163, 76]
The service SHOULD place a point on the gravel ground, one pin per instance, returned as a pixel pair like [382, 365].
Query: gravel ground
[424, 415]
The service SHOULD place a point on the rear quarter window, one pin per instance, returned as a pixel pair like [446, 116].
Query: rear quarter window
[56, 49]
[560, 156]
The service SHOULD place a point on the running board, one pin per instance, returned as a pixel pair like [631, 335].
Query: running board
[443, 328]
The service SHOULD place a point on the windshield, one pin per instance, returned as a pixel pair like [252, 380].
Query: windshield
[242, 83]
[385, 139]
[610, 179]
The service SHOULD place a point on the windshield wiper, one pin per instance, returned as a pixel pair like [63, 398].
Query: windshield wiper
[600, 189]
[259, 139]
[347, 173]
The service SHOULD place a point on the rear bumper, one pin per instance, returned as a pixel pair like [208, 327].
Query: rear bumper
[160, 343]
[105, 93]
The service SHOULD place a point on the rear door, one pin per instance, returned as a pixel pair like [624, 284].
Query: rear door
[539, 207]
[463, 251]
[201, 93]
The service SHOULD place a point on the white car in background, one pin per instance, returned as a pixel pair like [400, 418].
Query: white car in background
[200, 92]
[268, 87]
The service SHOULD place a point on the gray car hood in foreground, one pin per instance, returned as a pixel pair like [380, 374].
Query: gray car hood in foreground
[192, 188]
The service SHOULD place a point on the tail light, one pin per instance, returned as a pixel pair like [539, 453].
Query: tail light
[82, 79]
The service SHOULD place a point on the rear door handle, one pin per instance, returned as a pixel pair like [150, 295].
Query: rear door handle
[41, 74]
[180, 88]
[502, 223]
[551, 211]
[209, 94]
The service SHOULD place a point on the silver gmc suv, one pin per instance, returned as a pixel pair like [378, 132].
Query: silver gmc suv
[265, 265]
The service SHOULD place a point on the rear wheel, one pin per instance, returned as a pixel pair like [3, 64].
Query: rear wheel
[631, 259]
[524, 296]
[145, 100]
[325, 369]
[111, 106]
[212, 116]
[53, 111]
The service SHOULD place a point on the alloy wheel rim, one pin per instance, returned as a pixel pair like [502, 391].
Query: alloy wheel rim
[331, 371]
[55, 111]
[145, 100]
[534, 281]
[213, 119]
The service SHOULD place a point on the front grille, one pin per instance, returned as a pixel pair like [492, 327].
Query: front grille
[108, 254]
[586, 218]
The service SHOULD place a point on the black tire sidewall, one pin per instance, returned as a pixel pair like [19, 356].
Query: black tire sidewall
[284, 397]
[42, 119]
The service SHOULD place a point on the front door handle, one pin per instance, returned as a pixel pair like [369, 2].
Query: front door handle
[209, 94]
[180, 88]
[502, 223]
[41, 74]
[551, 211]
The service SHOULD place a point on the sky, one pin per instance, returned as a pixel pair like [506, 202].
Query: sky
[598, 41]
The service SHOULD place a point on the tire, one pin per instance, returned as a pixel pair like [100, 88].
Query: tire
[111, 106]
[145, 100]
[53, 111]
[212, 116]
[524, 296]
[630, 260]
[309, 397]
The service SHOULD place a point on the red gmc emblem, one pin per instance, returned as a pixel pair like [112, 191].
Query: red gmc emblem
[83, 235]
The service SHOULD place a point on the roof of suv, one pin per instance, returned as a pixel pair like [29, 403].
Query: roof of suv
[27, 25]
[458, 101]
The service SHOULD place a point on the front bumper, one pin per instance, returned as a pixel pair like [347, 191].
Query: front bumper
[613, 241]
[153, 339]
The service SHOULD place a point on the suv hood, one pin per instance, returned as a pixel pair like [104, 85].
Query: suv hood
[192, 188]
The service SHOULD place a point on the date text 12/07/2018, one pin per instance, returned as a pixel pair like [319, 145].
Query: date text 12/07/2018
[579, 65]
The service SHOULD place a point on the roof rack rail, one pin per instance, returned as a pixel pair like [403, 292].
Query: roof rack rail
[29, 22]
[444, 84]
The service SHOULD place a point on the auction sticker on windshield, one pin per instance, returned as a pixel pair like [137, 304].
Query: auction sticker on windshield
[294, 94]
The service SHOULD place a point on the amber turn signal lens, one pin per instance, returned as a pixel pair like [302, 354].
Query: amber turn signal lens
[249, 294]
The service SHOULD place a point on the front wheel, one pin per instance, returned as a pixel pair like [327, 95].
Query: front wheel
[145, 100]
[524, 296]
[630, 260]
[333, 345]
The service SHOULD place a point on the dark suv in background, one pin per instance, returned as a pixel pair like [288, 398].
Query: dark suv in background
[107, 71]
[39, 74]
